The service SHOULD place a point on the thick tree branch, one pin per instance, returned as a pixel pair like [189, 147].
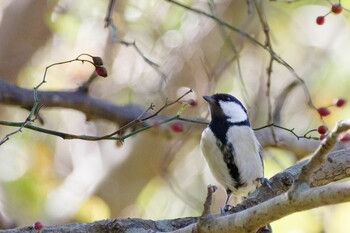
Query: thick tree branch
[319, 156]
[78, 100]
[113, 225]
[335, 168]
[273, 209]
[262, 207]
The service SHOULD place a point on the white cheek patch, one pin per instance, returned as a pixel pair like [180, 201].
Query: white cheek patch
[233, 111]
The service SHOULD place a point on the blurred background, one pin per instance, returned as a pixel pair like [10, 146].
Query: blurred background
[159, 173]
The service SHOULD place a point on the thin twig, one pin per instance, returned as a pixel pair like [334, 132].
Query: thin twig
[167, 104]
[116, 38]
[235, 51]
[280, 100]
[108, 18]
[277, 58]
[266, 29]
[34, 112]
[128, 125]
[109, 136]
[141, 118]
[154, 65]
[289, 130]
[68, 136]
[22, 125]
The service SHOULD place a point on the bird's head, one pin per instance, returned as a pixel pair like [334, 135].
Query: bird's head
[226, 107]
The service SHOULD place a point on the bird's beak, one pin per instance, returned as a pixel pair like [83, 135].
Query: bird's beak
[209, 99]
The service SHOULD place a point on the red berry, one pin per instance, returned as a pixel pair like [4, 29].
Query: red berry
[337, 8]
[38, 226]
[340, 102]
[97, 61]
[101, 71]
[322, 129]
[176, 127]
[192, 102]
[323, 111]
[344, 137]
[320, 20]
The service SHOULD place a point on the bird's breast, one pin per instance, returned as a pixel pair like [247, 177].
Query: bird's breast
[215, 159]
[245, 153]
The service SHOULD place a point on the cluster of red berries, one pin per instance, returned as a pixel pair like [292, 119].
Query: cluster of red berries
[336, 8]
[324, 111]
[99, 68]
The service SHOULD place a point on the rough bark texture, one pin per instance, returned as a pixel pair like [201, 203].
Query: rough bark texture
[261, 202]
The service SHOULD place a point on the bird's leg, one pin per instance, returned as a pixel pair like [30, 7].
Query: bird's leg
[265, 181]
[226, 206]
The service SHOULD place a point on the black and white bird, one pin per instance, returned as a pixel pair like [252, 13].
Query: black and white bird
[231, 148]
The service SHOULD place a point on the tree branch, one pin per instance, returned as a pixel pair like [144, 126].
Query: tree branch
[320, 155]
[92, 107]
[95, 108]
[263, 206]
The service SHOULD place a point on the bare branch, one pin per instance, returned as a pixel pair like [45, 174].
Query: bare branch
[335, 168]
[282, 205]
[266, 205]
[286, 139]
[21, 125]
[92, 107]
[320, 155]
[253, 218]
[108, 18]
[113, 225]
[280, 100]
[273, 54]
[207, 204]
[142, 118]
[95, 108]
[266, 29]
[154, 65]
[127, 116]
[235, 51]
[261, 207]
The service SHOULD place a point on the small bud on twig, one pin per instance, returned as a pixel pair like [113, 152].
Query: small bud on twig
[97, 61]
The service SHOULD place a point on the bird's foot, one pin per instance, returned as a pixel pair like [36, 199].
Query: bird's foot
[225, 209]
[265, 181]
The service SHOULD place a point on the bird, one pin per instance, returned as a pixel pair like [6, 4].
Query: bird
[231, 149]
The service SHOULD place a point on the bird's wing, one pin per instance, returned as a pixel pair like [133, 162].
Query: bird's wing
[229, 158]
